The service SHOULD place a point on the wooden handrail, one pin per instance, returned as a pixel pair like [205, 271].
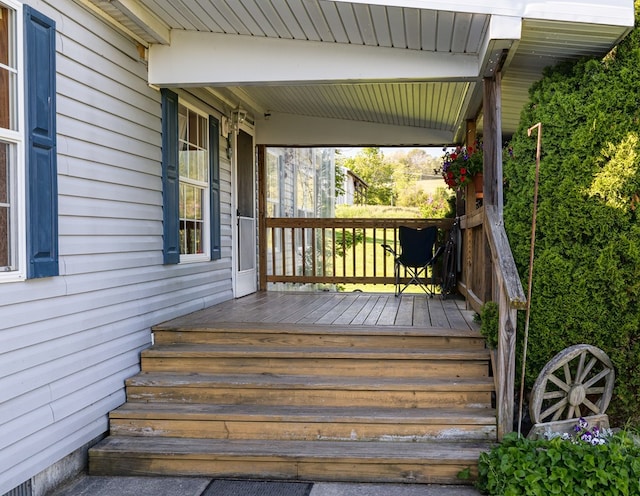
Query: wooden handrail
[489, 273]
[510, 297]
[505, 266]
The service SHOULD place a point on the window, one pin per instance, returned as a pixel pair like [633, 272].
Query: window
[10, 142]
[191, 182]
[193, 142]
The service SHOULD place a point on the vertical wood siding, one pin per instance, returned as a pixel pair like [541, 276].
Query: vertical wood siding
[67, 343]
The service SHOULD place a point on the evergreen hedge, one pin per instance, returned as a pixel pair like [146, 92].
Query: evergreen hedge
[586, 284]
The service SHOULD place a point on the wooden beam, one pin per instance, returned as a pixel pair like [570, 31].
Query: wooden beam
[269, 60]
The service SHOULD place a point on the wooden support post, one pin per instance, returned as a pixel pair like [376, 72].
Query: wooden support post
[492, 141]
[470, 192]
[262, 215]
[493, 199]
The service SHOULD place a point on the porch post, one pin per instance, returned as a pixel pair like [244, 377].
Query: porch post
[492, 140]
[470, 139]
[493, 200]
[262, 216]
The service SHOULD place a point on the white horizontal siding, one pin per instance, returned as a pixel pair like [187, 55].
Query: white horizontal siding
[77, 226]
[124, 300]
[82, 264]
[67, 343]
[75, 206]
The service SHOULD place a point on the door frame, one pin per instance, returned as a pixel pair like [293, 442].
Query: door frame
[240, 279]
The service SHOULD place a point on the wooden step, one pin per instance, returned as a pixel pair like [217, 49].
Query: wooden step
[309, 402]
[300, 390]
[269, 334]
[302, 423]
[390, 362]
[294, 460]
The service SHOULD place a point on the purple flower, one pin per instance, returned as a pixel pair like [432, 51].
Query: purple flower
[583, 423]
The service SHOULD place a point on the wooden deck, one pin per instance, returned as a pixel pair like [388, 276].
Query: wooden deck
[336, 309]
[309, 386]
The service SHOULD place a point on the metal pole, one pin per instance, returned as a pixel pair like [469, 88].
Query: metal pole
[538, 126]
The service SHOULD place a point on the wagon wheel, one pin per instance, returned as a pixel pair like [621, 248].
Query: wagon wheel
[576, 382]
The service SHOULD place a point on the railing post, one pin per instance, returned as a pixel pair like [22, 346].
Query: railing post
[506, 365]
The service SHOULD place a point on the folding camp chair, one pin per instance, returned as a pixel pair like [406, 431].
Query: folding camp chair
[416, 256]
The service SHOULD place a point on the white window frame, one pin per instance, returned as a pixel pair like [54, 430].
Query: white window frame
[205, 256]
[16, 140]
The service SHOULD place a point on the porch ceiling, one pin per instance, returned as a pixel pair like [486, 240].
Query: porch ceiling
[384, 72]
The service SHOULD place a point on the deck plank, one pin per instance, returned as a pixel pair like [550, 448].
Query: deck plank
[303, 308]
[364, 312]
[389, 312]
[350, 313]
[421, 317]
[404, 316]
[313, 317]
[438, 314]
[338, 311]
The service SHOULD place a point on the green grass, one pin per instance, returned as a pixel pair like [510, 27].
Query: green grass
[376, 212]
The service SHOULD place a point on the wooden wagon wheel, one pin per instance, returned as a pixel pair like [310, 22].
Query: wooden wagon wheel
[577, 382]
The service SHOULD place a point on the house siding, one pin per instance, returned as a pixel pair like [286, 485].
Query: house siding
[67, 343]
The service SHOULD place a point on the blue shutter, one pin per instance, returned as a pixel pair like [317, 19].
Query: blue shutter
[214, 165]
[170, 178]
[41, 165]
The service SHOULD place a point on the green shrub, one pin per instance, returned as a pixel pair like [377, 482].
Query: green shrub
[437, 204]
[489, 320]
[521, 466]
[586, 277]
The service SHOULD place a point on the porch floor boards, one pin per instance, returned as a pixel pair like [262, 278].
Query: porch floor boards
[336, 309]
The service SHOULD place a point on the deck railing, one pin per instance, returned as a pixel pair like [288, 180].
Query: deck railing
[489, 274]
[334, 251]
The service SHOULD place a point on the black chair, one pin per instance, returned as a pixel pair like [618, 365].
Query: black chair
[416, 256]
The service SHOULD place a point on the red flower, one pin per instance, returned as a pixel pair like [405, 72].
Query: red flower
[463, 171]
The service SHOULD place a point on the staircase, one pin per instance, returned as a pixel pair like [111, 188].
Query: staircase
[310, 402]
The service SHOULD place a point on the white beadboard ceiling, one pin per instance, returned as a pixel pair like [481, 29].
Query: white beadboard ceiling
[524, 39]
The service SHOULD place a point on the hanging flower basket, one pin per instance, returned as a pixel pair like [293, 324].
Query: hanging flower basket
[461, 165]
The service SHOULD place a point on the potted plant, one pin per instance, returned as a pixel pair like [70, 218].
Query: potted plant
[461, 166]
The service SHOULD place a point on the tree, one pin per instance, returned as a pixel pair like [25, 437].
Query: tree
[586, 278]
[371, 166]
